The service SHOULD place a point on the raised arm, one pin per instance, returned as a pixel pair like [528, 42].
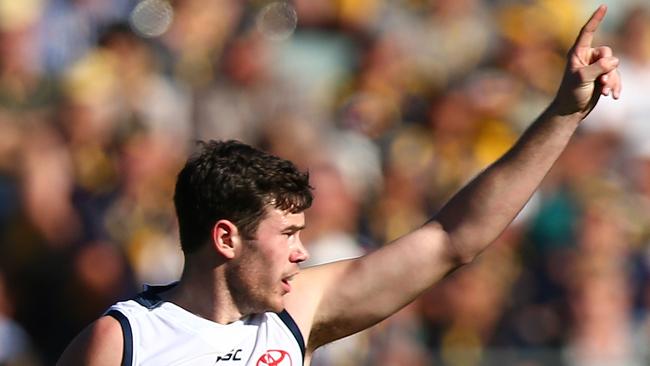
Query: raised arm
[476, 216]
[338, 299]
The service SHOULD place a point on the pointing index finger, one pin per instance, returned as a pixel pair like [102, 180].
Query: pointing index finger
[586, 35]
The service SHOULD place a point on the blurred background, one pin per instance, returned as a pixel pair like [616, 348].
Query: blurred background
[390, 104]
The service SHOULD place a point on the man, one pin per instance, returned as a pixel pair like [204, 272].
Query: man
[241, 299]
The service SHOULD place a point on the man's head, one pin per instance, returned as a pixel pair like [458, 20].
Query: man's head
[236, 182]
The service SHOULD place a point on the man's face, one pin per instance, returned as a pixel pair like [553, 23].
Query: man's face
[260, 275]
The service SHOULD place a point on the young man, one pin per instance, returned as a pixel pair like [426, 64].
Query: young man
[241, 299]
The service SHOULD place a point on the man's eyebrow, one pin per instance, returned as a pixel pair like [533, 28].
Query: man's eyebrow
[293, 228]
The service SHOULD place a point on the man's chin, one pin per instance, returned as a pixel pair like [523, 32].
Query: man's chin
[277, 307]
[271, 306]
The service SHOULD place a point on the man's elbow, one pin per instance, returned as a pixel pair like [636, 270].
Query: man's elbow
[457, 252]
[451, 252]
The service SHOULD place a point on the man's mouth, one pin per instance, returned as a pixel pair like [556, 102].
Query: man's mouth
[286, 285]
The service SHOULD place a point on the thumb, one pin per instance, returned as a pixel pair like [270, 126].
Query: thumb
[602, 66]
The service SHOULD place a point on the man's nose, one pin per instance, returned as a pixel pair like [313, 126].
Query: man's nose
[299, 254]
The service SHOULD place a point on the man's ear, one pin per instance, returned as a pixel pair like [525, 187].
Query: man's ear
[225, 238]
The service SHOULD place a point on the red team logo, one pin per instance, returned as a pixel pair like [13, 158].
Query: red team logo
[275, 357]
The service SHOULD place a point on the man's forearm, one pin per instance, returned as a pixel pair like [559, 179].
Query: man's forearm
[476, 215]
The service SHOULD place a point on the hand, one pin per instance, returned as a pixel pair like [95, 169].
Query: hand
[590, 72]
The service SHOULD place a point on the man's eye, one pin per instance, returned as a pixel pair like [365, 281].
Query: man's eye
[290, 234]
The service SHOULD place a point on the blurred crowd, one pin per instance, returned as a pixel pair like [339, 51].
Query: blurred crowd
[390, 104]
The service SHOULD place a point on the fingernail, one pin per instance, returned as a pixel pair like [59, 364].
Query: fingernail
[605, 78]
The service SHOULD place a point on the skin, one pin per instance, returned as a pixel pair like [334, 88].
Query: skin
[262, 274]
[232, 278]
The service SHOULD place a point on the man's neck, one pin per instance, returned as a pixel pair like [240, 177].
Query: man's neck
[203, 294]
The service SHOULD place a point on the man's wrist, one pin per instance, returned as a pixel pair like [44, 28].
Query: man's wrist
[558, 109]
[557, 114]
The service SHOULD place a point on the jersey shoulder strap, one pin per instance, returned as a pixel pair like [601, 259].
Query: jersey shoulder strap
[287, 319]
[149, 299]
[127, 336]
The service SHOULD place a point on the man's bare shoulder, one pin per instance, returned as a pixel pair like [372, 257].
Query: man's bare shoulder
[308, 289]
[101, 343]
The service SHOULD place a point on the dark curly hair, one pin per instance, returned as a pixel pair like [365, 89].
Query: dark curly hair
[234, 181]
